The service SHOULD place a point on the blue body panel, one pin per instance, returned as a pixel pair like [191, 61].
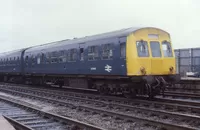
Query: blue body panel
[12, 62]
[114, 66]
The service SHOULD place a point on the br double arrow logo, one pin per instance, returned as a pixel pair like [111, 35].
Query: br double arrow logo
[108, 68]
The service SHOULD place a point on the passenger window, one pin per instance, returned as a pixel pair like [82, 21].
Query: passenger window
[26, 60]
[155, 49]
[142, 49]
[107, 51]
[123, 50]
[81, 54]
[48, 58]
[8, 62]
[38, 59]
[72, 55]
[13, 62]
[93, 53]
[63, 56]
[42, 59]
[32, 60]
[54, 57]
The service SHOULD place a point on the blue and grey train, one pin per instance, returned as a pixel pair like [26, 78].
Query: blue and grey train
[130, 61]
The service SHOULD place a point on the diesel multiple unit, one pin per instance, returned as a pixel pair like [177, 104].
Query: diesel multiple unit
[129, 61]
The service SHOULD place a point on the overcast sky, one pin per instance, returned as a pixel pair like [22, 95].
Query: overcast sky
[27, 23]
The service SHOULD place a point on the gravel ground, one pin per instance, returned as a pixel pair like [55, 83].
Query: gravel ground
[103, 121]
[180, 98]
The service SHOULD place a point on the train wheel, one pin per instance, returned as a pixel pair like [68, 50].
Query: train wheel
[129, 93]
[103, 90]
[150, 91]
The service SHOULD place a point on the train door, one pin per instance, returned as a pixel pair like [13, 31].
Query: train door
[122, 55]
[156, 60]
[82, 59]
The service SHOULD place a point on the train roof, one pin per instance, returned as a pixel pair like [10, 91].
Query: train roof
[12, 53]
[117, 33]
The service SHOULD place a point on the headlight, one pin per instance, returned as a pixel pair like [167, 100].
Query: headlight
[171, 69]
[142, 70]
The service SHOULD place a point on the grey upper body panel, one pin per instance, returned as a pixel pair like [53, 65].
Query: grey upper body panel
[60, 44]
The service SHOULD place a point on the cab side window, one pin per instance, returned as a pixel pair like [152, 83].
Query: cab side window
[123, 50]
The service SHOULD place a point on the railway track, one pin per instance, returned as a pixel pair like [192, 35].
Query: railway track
[184, 89]
[128, 111]
[183, 95]
[25, 117]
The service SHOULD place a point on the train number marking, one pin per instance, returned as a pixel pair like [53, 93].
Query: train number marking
[93, 68]
[108, 68]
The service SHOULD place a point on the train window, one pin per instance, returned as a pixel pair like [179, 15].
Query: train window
[64, 59]
[81, 54]
[18, 62]
[167, 50]
[72, 55]
[63, 56]
[93, 53]
[42, 59]
[123, 50]
[142, 49]
[48, 58]
[7, 61]
[107, 51]
[10, 61]
[38, 59]
[155, 49]
[54, 57]
[26, 60]
[32, 60]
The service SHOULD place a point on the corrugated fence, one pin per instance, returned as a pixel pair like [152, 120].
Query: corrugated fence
[187, 60]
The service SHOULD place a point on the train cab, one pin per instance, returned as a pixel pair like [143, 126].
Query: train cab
[150, 52]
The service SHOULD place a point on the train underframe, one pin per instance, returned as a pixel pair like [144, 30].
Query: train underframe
[130, 87]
